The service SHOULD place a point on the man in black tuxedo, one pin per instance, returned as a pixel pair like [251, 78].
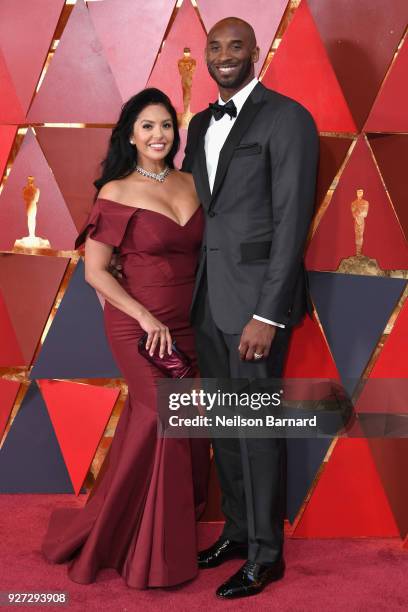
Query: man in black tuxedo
[254, 157]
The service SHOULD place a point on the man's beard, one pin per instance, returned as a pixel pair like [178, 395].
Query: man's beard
[239, 79]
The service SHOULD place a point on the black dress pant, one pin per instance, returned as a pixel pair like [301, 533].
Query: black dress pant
[252, 472]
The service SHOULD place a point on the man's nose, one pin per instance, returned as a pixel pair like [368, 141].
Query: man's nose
[224, 54]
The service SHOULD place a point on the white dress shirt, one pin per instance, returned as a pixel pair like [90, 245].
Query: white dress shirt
[215, 137]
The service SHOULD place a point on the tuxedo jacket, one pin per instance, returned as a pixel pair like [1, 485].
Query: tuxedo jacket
[259, 211]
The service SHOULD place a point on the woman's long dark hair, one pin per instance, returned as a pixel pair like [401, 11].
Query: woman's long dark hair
[121, 158]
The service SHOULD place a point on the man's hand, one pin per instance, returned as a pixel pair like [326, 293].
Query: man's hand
[115, 268]
[256, 337]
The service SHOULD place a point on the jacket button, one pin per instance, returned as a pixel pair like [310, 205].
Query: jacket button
[211, 213]
[204, 249]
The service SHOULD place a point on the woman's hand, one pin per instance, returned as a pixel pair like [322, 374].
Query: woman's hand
[157, 334]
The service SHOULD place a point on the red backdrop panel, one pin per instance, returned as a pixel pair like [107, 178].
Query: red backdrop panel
[10, 107]
[186, 31]
[391, 459]
[334, 238]
[10, 353]
[26, 31]
[79, 85]
[360, 38]
[8, 394]
[389, 113]
[349, 500]
[131, 34]
[392, 361]
[301, 70]
[29, 284]
[265, 19]
[7, 135]
[332, 154]
[308, 354]
[178, 160]
[53, 220]
[69, 404]
[391, 153]
[74, 156]
[389, 396]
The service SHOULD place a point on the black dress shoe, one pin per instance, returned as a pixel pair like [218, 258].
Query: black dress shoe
[251, 579]
[221, 551]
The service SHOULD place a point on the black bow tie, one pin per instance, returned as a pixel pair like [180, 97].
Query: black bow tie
[219, 110]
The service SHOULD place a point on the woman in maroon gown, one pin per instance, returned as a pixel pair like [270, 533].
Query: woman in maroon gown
[141, 515]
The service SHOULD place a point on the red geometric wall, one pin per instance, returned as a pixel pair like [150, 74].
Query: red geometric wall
[62, 84]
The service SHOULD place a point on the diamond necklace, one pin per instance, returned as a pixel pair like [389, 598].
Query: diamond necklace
[153, 175]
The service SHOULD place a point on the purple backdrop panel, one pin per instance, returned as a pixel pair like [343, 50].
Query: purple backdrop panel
[29, 284]
[186, 31]
[131, 34]
[53, 221]
[74, 156]
[78, 86]
[30, 458]
[26, 31]
[353, 311]
[76, 345]
[360, 38]
[264, 18]
[304, 459]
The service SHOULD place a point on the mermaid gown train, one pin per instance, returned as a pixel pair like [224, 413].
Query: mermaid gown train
[141, 515]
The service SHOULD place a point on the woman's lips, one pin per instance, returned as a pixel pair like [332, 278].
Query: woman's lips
[157, 146]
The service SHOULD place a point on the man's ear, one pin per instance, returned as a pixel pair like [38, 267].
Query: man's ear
[255, 54]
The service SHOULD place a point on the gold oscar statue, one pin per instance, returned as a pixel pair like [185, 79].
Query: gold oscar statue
[359, 263]
[31, 195]
[186, 67]
[359, 210]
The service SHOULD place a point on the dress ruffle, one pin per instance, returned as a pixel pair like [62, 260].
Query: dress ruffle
[107, 223]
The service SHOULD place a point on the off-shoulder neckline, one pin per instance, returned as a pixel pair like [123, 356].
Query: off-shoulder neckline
[156, 212]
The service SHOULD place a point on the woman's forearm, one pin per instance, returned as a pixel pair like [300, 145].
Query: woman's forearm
[108, 286]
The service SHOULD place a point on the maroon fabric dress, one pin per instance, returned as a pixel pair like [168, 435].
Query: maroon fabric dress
[141, 515]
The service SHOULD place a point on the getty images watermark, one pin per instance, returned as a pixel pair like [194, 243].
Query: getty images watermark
[218, 400]
[253, 408]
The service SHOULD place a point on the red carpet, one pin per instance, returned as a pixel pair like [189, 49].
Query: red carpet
[321, 574]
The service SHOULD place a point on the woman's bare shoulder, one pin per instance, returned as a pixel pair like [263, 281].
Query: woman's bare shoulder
[112, 190]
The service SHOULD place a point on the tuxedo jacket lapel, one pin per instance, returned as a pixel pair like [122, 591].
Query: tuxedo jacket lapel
[204, 190]
[245, 117]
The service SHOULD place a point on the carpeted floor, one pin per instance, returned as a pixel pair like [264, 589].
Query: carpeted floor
[322, 575]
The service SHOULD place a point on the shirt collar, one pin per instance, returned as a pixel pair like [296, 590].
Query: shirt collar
[240, 97]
